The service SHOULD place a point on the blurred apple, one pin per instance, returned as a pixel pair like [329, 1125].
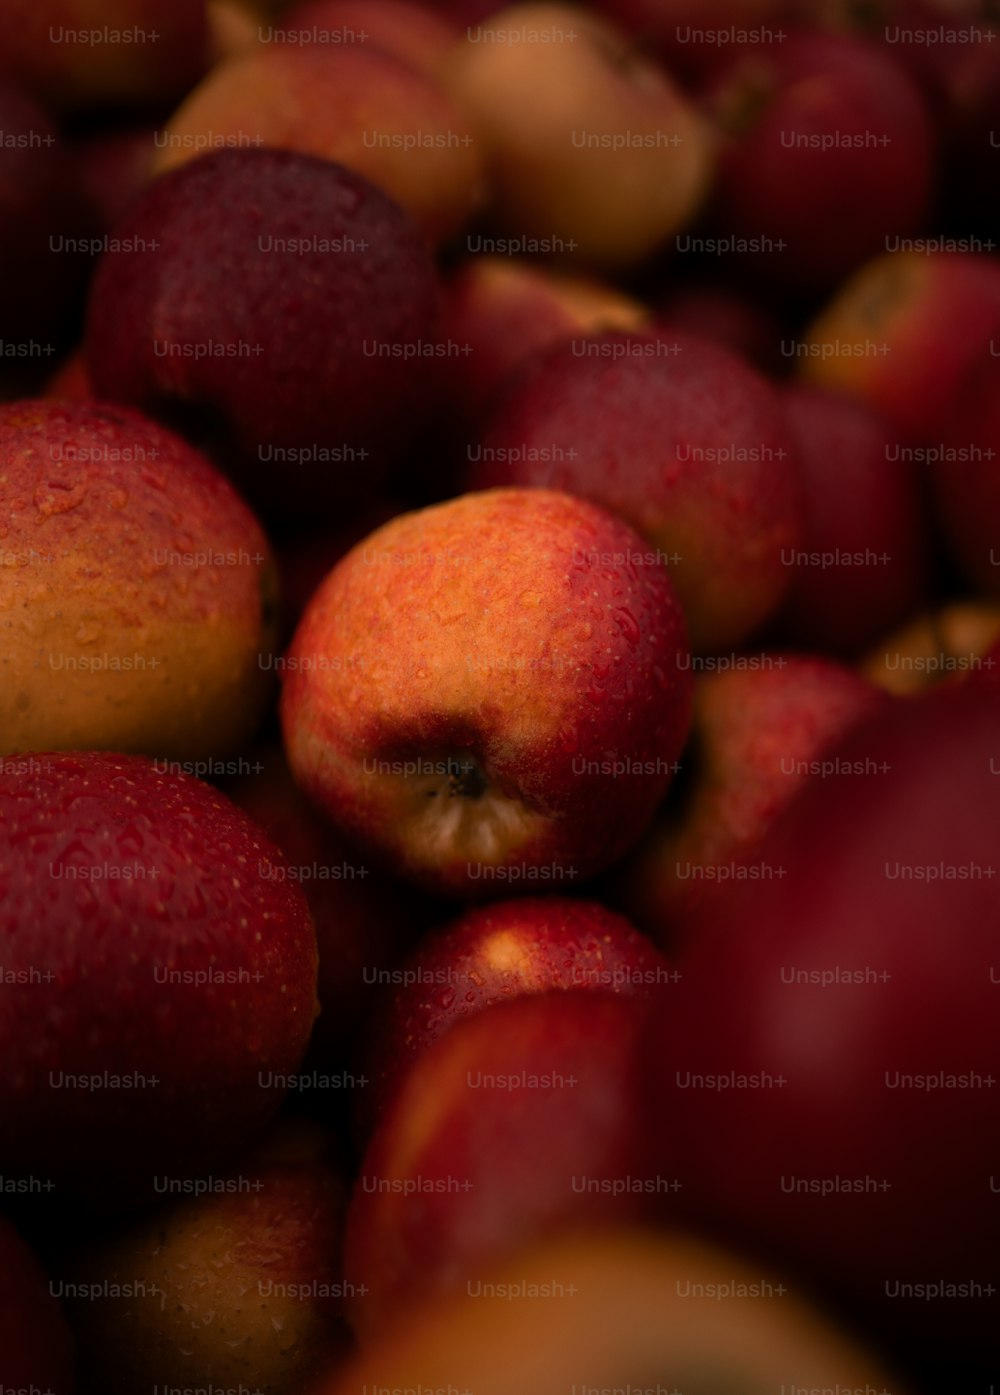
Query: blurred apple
[863, 563]
[594, 152]
[415, 33]
[682, 439]
[167, 968]
[903, 333]
[618, 1310]
[34, 1339]
[725, 315]
[483, 694]
[520, 1120]
[354, 105]
[139, 589]
[949, 643]
[491, 954]
[234, 1281]
[761, 730]
[847, 1082]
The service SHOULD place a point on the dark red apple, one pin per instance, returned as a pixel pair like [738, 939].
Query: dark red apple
[164, 972]
[826, 1085]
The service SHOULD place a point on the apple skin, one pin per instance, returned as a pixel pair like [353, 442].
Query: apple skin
[166, 53]
[166, 863]
[624, 1309]
[113, 640]
[491, 954]
[863, 499]
[844, 1049]
[866, 173]
[508, 310]
[965, 475]
[310, 311]
[757, 733]
[34, 1338]
[946, 645]
[935, 313]
[239, 1284]
[462, 1171]
[511, 651]
[415, 33]
[354, 105]
[681, 438]
[593, 148]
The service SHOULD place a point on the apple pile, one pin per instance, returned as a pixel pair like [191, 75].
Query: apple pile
[499, 697]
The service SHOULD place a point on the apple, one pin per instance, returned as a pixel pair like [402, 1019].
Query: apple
[491, 691]
[948, 644]
[964, 469]
[330, 312]
[137, 585]
[507, 310]
[490, 954]
[35, 1341]
[364, 920]
[830, 152]
[681, 438]
[415, 33]
[160, 973]
[596, 156]
[231, 1280]
[863, 562]
[518, 1121]
[725, 315]
[845, 1086]
[71, 380]
[354, 105]
[621, 1309]
[761, 729]
[903, 333]
[89, 53]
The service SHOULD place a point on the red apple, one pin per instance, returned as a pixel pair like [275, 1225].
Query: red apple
[682, 439]
[518, 1121]
[904, 332]
[330, 313]
[761, 730]
[489, 955]
[167, 972]
[37, 1351]
[863, 559]
[831, 151]
[839, 1112]
[491, 691]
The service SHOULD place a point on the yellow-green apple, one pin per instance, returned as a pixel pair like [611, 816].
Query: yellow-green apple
[36, 1347]
[506, 310]
[518, 1121]
[964, 469]
[951, 642]
[846, 1083]
[491, 691]
[903, 333]
[416, 33]
[863, 560]
[365, 920]
[232, 1280]
[619, 1309]
[330, 313]
[103, 53]
[761, 728]
[160, 974]
[354, 105]
[681, 438]
[593, 150]
[830, 152]
[46, 234]
[490, 954]
[138, 589]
